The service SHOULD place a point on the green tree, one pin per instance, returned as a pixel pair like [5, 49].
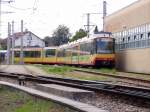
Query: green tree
[49, 41]
[61, 35]
[79, 34]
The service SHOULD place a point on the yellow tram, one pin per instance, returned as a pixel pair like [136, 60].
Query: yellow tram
[97, 50]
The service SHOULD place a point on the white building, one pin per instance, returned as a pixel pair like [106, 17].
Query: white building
[29, 40]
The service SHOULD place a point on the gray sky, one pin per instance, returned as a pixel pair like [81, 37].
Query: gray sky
[42, 17]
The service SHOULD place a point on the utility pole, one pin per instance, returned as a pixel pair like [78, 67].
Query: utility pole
[8, 44]
[104, 13]
[0, 16]
[88, 24]
[1, 1]
[13, 42]
[21, 46]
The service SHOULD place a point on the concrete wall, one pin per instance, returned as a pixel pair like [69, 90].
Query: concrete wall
[137, 59]
[134, 60]
[133, 15]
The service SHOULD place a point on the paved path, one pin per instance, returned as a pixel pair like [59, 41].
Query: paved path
[13, 69]
[22, 69]
[35, 70]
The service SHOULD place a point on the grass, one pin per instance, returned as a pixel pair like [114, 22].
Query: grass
[15, 101]
[86, 76]
[60, 70]
[103, 70]
[63, 69]
[68, 71]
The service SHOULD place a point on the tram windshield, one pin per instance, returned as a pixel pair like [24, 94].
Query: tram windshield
[105, 45]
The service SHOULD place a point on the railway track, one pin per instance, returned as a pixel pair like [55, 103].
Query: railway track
[83, 84]
[131, 79]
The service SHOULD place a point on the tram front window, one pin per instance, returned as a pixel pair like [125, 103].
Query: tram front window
[105, 45]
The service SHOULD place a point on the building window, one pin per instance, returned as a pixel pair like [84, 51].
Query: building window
[123, 39]
[138, 37]
[29, 38]
[128, 38]
[148, 34]
[141, 36]
[134, 37]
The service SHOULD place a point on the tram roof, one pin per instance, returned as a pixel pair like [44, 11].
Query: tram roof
[30, 48]
[51, 47]
[87, 39]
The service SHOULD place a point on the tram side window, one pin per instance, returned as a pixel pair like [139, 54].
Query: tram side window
[74, 54]
[17, 53]
[50, 52]
[86, 49]
[37, 54]
[61, 53]
[75, 50]
[67, 53]
[27, 53]
[32, 53]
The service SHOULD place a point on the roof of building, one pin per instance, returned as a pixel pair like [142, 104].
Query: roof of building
[17, 35]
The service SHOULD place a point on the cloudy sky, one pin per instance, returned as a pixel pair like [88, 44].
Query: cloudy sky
[42, 17]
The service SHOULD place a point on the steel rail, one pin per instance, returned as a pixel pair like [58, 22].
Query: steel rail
[113, 76]
[84, 84]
